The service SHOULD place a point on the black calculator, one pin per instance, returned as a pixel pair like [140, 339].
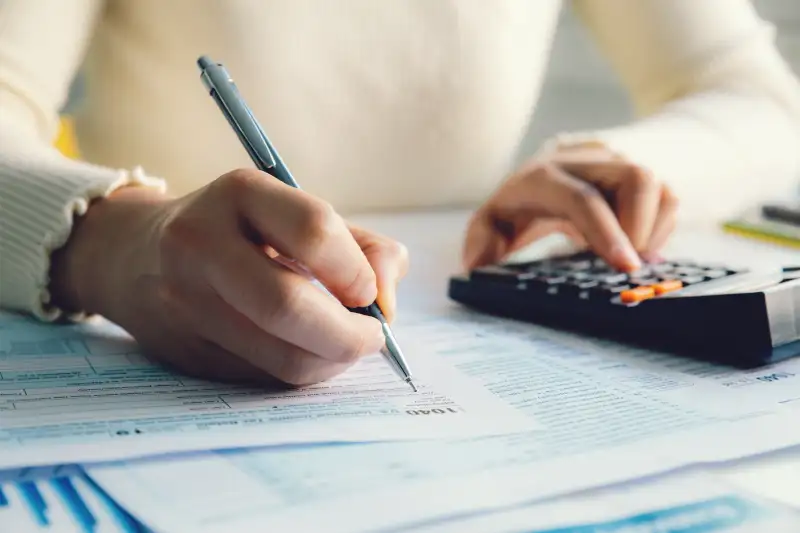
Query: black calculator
[735, 316]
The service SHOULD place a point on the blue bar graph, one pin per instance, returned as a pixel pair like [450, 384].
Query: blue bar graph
[90, 508]
[73, 501]
[33, 498]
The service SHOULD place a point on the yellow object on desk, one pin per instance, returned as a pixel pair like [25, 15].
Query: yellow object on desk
[755, 226]
[66, 141]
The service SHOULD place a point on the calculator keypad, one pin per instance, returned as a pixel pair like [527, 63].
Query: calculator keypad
[587, 277]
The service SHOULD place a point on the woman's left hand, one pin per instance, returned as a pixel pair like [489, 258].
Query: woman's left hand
[588, 193]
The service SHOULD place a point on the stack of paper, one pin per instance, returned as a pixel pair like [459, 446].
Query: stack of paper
[610, 416]
[85, 394]
[509, 416]
[607, 415]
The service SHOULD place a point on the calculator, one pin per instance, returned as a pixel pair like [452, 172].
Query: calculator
[743, 317]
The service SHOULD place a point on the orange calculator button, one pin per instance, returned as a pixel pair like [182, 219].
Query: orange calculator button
[668, 286]
[637, 295]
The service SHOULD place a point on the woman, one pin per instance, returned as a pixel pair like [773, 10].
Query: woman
[376, 106]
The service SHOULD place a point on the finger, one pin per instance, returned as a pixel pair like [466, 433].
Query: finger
[389, 260]
[288, 306]
[170, 340]
[665, 221]
[546, 190]
[485, 243]
[636, 192]
[232, 339]
[638, 199]
[308, 230]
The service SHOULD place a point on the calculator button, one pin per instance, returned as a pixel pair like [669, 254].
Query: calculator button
[578, 265]
[692, 280]
[614, 279]
[715, 274]
[689, 271]
[608, 291]
[580, 276]
[637, 295]
[616, 289]
[667, 286]
[499, 274]
[663, 268]
[644, 281]
[579, 288]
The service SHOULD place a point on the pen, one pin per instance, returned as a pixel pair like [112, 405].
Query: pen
[224, 92]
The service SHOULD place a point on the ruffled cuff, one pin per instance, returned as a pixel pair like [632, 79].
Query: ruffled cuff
[39, 201]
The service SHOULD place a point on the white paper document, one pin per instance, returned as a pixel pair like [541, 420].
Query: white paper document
[610, 414]
[79, 394]
[692, 502]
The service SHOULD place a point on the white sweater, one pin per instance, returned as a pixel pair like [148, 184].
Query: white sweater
[373, 104]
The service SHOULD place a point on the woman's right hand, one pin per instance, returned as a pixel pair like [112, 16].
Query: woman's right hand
[195, 280]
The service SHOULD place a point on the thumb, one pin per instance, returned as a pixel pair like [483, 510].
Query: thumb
[484, 244]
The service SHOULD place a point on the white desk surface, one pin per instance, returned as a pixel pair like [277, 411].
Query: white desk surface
[434, 242]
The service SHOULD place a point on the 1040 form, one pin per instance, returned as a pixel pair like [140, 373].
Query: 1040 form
[84, 393]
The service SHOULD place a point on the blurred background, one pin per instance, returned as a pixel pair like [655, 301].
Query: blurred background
[579, 79]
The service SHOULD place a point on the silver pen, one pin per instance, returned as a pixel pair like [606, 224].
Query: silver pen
[224, 92]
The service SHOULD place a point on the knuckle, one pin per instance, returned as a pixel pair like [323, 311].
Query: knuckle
[585, 195]
[669, 199]
[397, 251]
[539, 172]
[281, 307]
[641, 178]
[238, 182]
[319, 223]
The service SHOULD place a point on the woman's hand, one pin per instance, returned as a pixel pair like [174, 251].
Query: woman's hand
[588, 193]
[195, 280]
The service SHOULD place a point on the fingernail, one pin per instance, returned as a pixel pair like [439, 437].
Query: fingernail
[625, 256]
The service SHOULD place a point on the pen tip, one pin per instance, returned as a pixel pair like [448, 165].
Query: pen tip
[413, 387]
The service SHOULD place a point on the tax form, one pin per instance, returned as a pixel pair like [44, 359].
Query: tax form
[611, 414]
[84, 393]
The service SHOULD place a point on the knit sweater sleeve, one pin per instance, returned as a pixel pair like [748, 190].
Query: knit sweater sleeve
[718, 107]
[42, 43]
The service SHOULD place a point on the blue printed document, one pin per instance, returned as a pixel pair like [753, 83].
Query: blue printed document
[73, 394]
[611, 414]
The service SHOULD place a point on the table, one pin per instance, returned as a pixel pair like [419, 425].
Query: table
[434, 241]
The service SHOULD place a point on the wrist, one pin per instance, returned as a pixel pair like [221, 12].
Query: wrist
[108, 245]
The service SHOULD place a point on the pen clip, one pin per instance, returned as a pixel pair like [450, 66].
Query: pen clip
[224, 92]
[249, 133]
